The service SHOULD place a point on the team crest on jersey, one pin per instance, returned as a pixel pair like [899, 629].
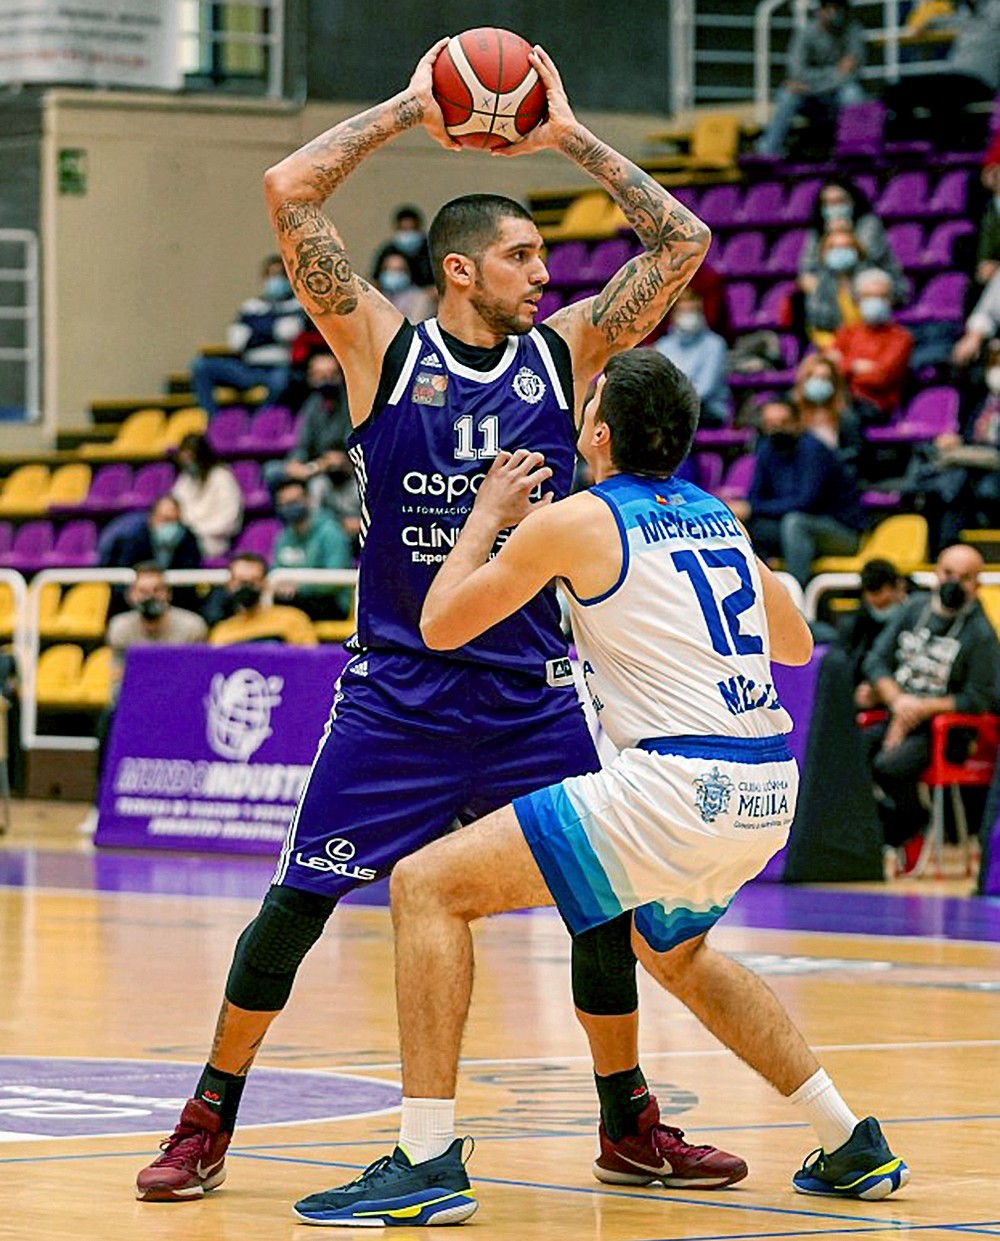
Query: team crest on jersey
[429, 389]
[712, 794]
[529, 386]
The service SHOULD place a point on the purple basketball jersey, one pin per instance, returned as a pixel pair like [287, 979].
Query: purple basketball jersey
[419, 461]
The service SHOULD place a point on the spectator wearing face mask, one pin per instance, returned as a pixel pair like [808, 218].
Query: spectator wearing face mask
[409, 238]
[842, 202]
[394, 277]
[938, 654]
[241, 612]
[873, 355]
[210, 499]
[803, 502]
[150, 621]
[820, 396]
[831, 304]
[700, 354]
[260, 337]
[311, 538]
[883, 593]
[319, 458]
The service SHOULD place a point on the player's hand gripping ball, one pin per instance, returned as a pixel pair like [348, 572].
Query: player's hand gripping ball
[487, 89]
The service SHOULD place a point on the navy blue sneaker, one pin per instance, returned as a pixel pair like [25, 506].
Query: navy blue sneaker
[394, 1191]
[864, 1167]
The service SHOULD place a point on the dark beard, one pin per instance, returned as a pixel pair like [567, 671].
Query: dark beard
[499, 320]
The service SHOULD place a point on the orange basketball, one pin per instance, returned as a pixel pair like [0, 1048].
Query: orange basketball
[488, 91]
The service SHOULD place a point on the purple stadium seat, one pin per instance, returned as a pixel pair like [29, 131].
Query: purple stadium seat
[785, 254]
[931, 412]
[782, 377]
[940, 246]
[707, 470]
[688, 195]
[860, 130]
[907, 242]
[744, 255]
[271, 433]
[772, 311]
[258, 536]
[29, 546]
[941, 301]
[801, 202]
[867, 183]
[580, 295]
[256, 497]
[904, 197]
[550, 301]
[149, 482]
[606, 258]
[6, 537]
[719, 206]
[880, 500]
[109, 484]
[950, 194]
[565, 261]
[741, 298]
[738, 478]
[722, 439]
[764, 204]
[226, 430]
[75, 546]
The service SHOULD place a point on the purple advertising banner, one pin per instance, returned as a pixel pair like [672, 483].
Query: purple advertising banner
[210, 747]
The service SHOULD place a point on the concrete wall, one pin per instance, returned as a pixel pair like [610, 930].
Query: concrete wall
[154, 258]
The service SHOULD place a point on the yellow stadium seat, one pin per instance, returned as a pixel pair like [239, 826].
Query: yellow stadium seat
[81, 614]
[592, 215]
[48, 606]
[68, 484]
[57, 676]
[989, 597]
[8, 612]
[25, 490]
[95, 680]
[715, 142]
[193, 421]
[137, 436]
[902, 540]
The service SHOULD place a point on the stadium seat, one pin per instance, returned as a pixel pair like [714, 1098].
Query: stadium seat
[191, 421]
[550, 301]
[590, 216]
[781, 377]
[137, 436]
[860, 130]
[81, 614]
[902, 540]
[786, 252]
[95, 679]
[256, 497]
[744, 255]
[773, 311]
[941, 300]
[738, 479]
[6, 537]
[564, 263]
[108, 485]
[719, 206]
[8, 612]
[257, 536]
[29, 546]
[764, 204]
[904, 197]
[149, 482]
[714, 143]
[57, 675]
[606, 258]
[950, 194]
[271, 433]
[907, 242]
[68, 485]
[932, 412]
[939, 251]
[741, 299]
[226, 429]
[25, 490]
[801, 202]
[708, 470]
[75, 546]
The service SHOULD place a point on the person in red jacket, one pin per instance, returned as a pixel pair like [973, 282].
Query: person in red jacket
[873, 355]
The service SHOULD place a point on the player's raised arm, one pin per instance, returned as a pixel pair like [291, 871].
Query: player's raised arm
[356, 320]
[675, 240]
[790, 639]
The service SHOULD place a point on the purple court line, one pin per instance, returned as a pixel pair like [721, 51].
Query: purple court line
[773, 906]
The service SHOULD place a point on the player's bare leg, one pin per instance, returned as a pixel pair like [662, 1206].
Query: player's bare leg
[238, 1037]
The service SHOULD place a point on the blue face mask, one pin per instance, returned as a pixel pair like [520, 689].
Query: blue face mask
[837, 211]
[277, 288]
[689, 322]
[409, 240]
[996, 201]
[817, 389]
[167, 533]
[393, 281]
[840, 258]
[875, 310]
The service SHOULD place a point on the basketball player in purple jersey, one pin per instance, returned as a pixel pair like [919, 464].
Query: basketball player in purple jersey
[419, 741]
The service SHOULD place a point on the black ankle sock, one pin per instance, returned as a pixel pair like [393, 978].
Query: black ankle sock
[222, 1093]
[623, 1096]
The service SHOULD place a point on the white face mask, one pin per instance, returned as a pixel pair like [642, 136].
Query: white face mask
[689, 322]
[993, 379]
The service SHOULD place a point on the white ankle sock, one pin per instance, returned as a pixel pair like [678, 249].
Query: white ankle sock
[825, 1110]
[426, 1128]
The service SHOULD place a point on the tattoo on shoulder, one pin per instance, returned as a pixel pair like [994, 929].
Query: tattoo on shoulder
[320, 269]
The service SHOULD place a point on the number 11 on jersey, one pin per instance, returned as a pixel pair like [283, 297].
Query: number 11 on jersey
[489, 430]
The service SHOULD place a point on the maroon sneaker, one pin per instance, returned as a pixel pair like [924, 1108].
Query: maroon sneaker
[659, 1153]
[193, 1159]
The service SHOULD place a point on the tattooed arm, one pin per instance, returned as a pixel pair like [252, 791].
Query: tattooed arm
[356, 320]
[675, 240]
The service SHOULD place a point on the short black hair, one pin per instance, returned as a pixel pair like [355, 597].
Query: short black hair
[252, 557]
[408, 212]
[877, 574]
[652, 410]
[147, 566]
[468, 225]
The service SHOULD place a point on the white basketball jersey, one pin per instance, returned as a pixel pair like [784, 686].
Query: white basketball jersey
[679, 645]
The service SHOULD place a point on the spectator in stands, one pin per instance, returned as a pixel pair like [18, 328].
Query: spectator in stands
[933, 105]
[150, 621]
[312, 538]
[938, 654]
[159, 535]
[803, 502]
[831, 303]
[823, 70]
[988, 241]
[710, 286]
[982, 325]
[319, 458]
[820, 396]
[245, 614]
[260, 336]
[409, 237]
[842, 202]
[883, 593]
[873, 355]
[394, 277]
[209, 495]
[701, 354]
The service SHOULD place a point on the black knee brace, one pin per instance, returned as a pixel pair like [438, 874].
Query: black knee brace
[271, 949]
[604, 969]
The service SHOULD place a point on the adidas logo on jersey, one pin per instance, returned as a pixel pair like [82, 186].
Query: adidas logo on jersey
[430, 359]
[359, 669]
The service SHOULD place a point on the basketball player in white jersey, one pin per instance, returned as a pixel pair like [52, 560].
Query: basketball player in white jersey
[676, 622]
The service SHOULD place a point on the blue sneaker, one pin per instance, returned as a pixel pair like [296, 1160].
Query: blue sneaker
[864, 1167]
[394, 1191]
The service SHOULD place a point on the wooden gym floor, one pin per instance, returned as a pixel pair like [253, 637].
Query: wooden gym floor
[111, 968]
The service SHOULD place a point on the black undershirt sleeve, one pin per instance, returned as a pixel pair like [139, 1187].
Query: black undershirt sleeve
[563, 361]
[392, 365]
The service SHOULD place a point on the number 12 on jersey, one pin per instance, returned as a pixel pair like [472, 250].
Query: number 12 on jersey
[728, 609]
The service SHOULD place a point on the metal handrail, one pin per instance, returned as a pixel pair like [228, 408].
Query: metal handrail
[28, 353]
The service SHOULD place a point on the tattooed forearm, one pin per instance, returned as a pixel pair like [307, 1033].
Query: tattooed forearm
[628, 303]
[408, 111]
[318, 265]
